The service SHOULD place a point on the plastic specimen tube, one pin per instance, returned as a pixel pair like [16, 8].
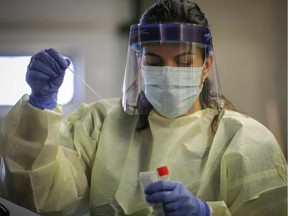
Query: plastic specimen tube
[147, 178]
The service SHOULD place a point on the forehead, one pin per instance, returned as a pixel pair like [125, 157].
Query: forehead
[171, 49]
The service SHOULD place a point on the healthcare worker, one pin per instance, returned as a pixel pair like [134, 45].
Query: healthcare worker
[172, 113]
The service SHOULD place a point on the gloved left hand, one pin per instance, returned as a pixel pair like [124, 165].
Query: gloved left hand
[45, 74]
[176, 199]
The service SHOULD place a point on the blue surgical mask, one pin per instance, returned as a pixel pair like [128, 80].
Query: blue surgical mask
[171, 90]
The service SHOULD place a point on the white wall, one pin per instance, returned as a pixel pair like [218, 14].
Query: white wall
[250, 40]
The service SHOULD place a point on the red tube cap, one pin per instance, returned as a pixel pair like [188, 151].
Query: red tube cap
[163, 170]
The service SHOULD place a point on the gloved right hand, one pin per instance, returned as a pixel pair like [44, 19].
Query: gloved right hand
[176, 199]
[45, 74]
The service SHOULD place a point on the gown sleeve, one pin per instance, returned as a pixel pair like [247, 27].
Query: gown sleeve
[253, 169]
[43, 166]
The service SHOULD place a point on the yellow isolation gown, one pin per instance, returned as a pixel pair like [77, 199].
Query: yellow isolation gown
[90, 161]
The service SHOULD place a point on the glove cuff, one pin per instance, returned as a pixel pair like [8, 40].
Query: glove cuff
[43, 103]
[204, 208]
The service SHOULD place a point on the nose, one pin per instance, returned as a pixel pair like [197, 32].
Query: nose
[170, 63]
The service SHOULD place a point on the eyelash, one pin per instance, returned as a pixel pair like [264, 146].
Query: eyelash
[179, 64]
[155, 63]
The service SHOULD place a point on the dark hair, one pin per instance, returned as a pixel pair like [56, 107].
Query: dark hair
[167, 11]
[181, 11]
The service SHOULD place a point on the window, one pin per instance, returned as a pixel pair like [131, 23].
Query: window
[13, 84]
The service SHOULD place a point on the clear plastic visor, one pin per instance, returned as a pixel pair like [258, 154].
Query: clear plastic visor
[182, 46]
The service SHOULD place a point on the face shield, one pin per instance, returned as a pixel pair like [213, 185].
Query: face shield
[177, 59]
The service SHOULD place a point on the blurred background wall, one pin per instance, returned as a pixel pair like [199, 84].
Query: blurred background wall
[250, 41]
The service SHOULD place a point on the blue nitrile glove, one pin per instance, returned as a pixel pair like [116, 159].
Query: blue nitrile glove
[45, 74]
[176, 199]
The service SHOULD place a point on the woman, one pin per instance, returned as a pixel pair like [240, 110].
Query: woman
[221, 162]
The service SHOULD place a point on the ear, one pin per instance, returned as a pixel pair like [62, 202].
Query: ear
[139, 76]
[207, 67]
[139, 59]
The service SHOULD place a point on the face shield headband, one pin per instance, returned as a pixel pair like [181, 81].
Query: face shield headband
[169, 33]
[134, 100]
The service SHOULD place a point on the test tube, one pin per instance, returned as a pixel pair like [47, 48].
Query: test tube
[147, 178]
